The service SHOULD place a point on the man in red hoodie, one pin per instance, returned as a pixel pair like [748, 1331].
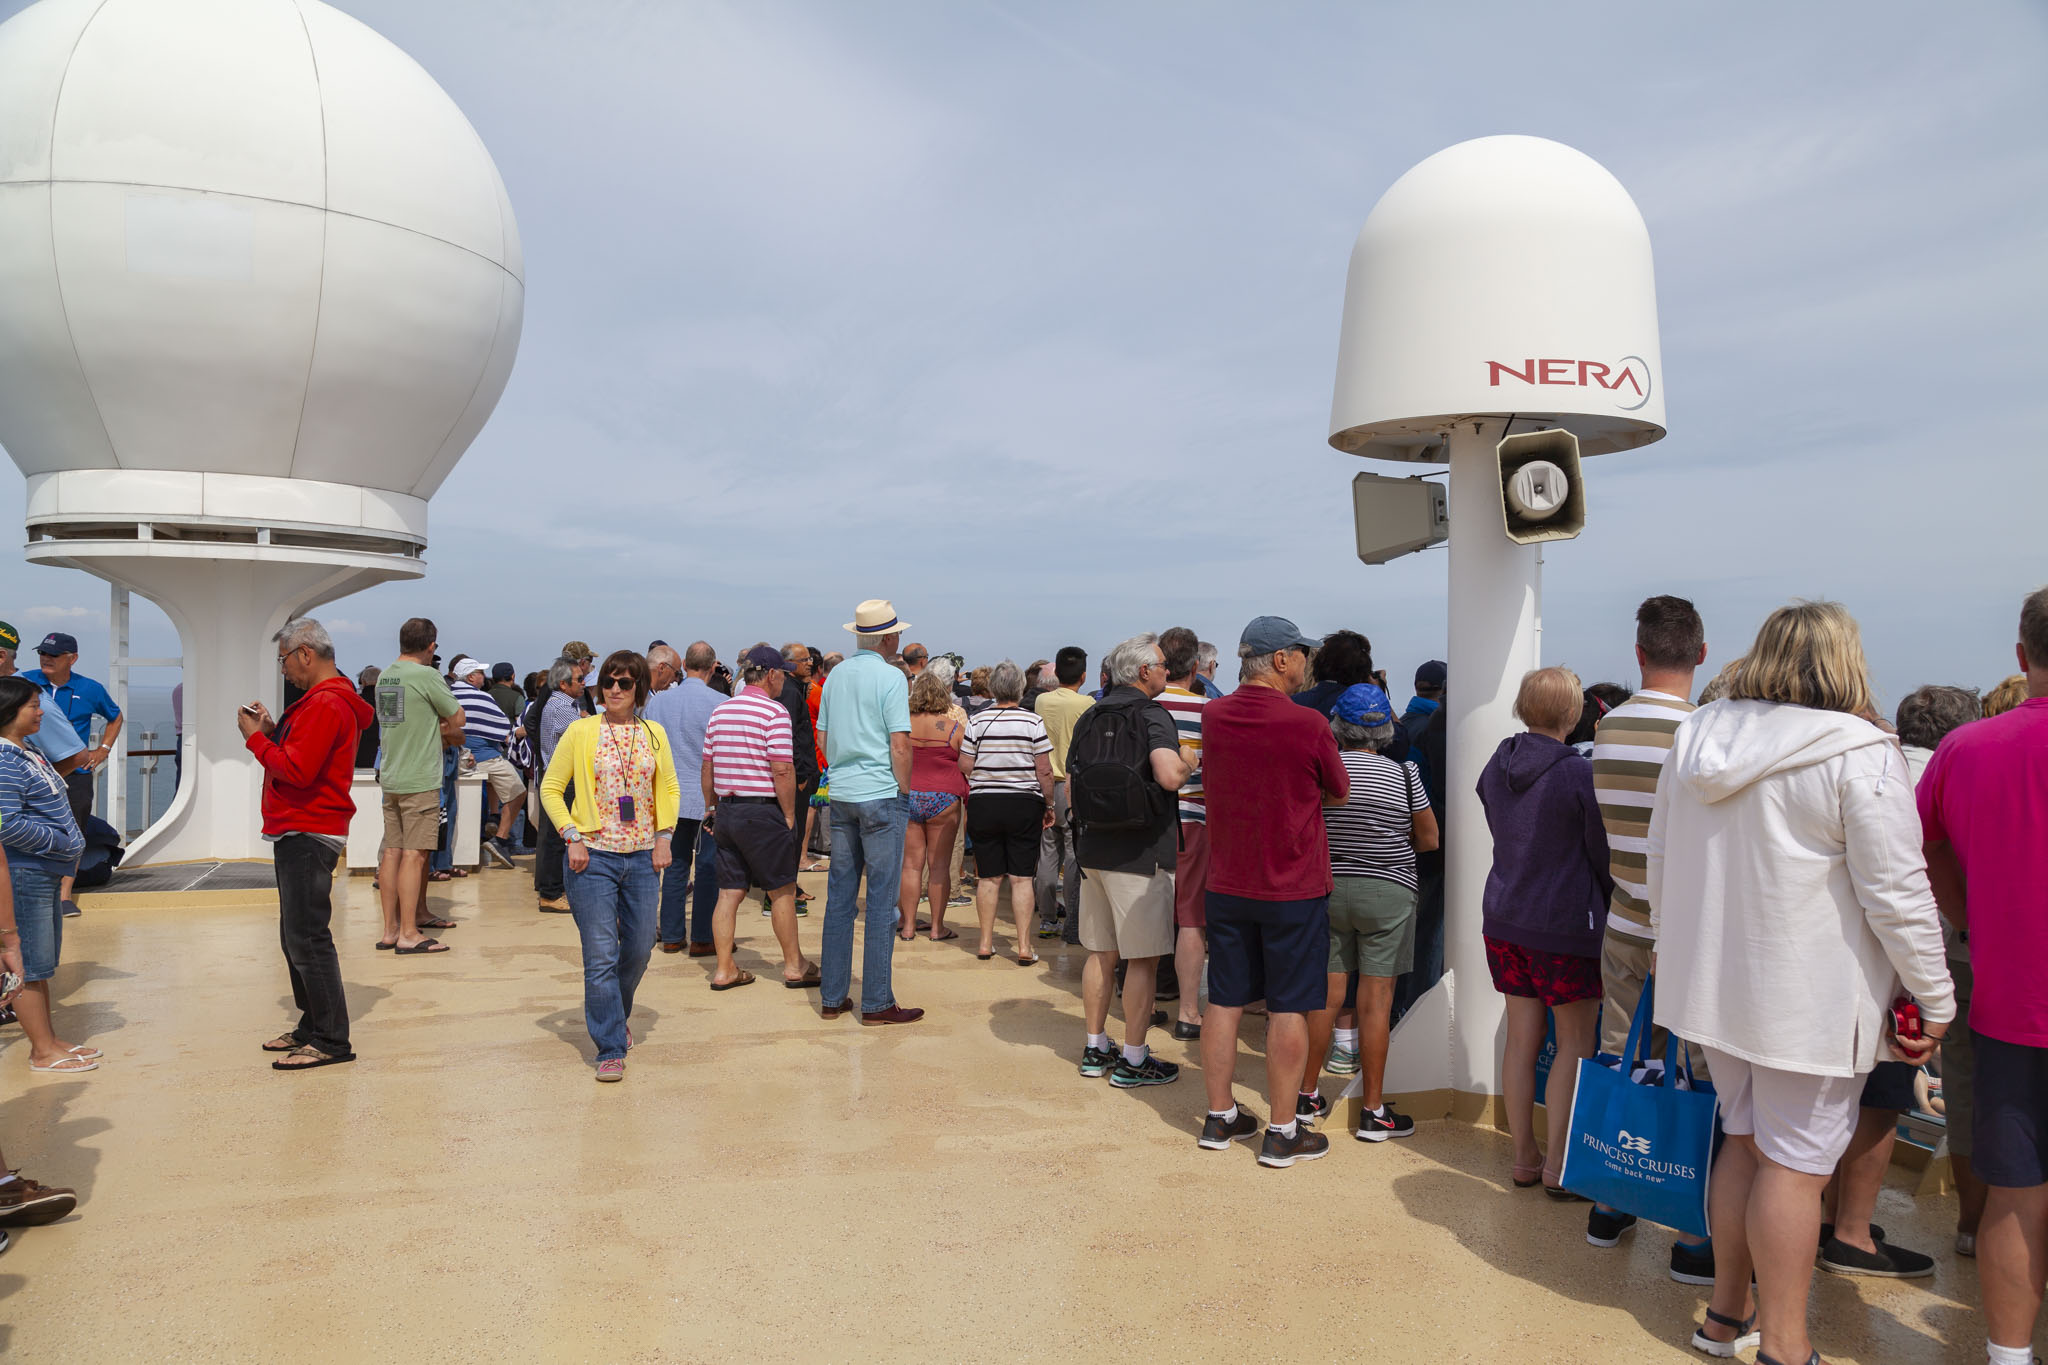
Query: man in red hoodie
[309, 758]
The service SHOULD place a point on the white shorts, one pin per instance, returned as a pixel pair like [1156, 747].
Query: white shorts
[502, 778]
[1798, 1120]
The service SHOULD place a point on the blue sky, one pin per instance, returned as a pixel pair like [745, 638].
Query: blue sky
[1025, 316]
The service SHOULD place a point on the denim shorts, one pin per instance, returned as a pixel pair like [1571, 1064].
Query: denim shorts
[39, 918]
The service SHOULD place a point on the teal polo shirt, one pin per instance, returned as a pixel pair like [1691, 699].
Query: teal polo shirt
[866, 700]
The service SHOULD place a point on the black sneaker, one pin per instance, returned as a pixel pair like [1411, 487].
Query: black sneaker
[1311, 1108]
[1217, 1135]
[1383, 1125]
[1096, 1061]
[1887, 1262]
[1605, 1226]
[1692, 1264]
[1151, 1071]
[1306, 1145]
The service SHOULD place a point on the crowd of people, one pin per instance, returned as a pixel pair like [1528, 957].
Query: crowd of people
[1780, 859]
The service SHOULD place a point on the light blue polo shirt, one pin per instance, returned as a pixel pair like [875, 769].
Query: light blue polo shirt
[866, 700]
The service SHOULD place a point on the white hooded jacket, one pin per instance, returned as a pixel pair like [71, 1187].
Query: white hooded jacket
[1787, 888]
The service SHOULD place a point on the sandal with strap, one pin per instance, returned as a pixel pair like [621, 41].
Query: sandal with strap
[1746, 1336]
[1527, 1177]
[1762, 1359]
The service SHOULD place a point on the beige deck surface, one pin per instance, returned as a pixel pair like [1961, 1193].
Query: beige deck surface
[765, 1185]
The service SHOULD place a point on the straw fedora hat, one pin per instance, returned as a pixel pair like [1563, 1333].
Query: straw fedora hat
[876, 616]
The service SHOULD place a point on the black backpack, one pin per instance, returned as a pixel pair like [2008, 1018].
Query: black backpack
[1109, 769]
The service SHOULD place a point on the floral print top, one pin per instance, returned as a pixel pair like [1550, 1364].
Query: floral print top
[625, 767]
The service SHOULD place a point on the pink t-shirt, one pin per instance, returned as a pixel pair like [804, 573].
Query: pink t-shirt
[1986, 792]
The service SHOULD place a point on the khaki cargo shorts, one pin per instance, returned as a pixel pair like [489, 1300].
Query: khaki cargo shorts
[412, 820]
[503, 779]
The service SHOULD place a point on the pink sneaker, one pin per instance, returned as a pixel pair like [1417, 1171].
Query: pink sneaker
[613, 1069]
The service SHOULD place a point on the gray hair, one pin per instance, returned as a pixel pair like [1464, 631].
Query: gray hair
[562, 671]
[1373, 737]
[1207, 655]
[879, 644]
[796, 653]
[1006, 681]
[368, 677]
[1129, 659]
[1929, 713]
[942, 669]
[306, 633]
[660, 652]
[1251, 664]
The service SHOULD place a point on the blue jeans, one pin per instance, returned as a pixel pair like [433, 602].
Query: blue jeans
[675, 882]
[704, 899]
[614, 901]
[865, 834]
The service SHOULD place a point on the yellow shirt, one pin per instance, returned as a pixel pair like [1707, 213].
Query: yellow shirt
[1059, 709]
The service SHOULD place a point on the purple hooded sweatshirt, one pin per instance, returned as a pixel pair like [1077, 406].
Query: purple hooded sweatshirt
[1550, 882]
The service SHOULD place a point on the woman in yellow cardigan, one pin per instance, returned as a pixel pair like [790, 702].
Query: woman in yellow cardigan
[618, 835]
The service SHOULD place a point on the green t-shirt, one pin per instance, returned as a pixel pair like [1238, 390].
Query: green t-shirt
[411, 699]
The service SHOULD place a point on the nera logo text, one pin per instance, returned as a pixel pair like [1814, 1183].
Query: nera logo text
[1627, 379]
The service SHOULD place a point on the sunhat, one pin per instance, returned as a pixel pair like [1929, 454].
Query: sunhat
[876, 616]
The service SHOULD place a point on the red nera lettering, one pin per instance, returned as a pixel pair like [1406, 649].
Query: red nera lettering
[1495, 369]
[1555, 372]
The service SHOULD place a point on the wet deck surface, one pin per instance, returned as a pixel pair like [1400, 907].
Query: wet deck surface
[765, 1184]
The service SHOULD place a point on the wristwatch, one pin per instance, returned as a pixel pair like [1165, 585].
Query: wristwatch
[572, 835]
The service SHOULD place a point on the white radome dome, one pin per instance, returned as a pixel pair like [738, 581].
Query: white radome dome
[249, 240]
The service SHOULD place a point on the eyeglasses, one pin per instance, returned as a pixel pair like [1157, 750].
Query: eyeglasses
[288, 654]
[616, 684]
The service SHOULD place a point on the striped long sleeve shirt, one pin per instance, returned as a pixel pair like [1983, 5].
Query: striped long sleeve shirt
[1629, 749]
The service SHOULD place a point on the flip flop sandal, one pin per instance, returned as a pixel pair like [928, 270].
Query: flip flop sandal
[745, 978]
[1027, 962]
[1762, 1359]
[386, 947]
[809, 979]
[425, 945]
[67, 1064]
[440, 877]
[1565, 1196]
[941, 938]
[91, 1054]
[983, 957]
[320, 1059]
[437, 923]
[284, 1042]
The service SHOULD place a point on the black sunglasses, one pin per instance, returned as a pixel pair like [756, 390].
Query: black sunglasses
[619, 684]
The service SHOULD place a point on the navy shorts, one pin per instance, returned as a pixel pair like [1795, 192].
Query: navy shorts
[2010, 1114]
[1274, 951]
[755, 846]
[1890, 1086]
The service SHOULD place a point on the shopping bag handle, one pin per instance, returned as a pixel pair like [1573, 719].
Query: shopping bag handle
[1677, 1057]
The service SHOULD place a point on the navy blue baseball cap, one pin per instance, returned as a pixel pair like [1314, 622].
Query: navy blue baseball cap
[1271, 634]
[763, 656]
[57, 642]
[1364, 704]
[1431, 674]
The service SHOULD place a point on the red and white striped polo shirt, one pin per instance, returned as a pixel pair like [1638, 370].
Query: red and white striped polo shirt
[744, 735]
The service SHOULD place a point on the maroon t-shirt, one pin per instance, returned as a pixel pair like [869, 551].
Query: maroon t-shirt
[1267, 764]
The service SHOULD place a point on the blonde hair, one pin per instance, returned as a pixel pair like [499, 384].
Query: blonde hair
[1722, 681]
[1549, 699]
[930, 695]
[1808, 654]
[2005, 696]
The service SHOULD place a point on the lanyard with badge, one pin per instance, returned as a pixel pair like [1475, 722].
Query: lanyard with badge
[630, 764]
